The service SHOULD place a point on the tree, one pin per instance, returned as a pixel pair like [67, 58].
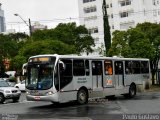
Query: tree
[18, 37]
[107, 34]
[17, 62]
[83, 41]
[46, 47]
[69, 34]
[143, 41]
[8, 48]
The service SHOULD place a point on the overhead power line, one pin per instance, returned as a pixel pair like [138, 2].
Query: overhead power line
[55, 20]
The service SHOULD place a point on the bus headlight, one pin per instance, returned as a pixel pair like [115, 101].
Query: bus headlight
[28, 93]
[49, 93]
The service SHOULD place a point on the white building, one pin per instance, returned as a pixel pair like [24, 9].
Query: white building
[38, 26]
[122, 14]
[2, 20]
[9, 31]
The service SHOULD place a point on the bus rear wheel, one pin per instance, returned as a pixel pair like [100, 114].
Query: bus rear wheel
[132, 91]
[82, 97]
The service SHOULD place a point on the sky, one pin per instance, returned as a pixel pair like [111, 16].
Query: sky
[47, 12]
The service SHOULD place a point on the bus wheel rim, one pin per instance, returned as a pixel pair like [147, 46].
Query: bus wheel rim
[82, 97]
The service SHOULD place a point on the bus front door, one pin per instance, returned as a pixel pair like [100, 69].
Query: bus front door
[119, 74]
[97, 76]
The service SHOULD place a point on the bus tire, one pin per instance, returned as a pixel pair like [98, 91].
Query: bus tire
[15, 99]
[132, 90]
[2, 99]
[56, 103]
[82, 97]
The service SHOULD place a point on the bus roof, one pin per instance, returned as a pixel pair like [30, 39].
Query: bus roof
[87, 57]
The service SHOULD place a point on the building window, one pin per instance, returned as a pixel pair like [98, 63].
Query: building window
[86, 1]
[96, 30]
[154, 13]
[107, 6]
[124, 2]
[111, 15]
[90, 9]
[93, 30]
[112, 26]
[111, 5]
[96, 40]
[90, 18]
[126, 13]
[125, 26]
[154, 2]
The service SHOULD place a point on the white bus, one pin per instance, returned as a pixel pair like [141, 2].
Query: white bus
[64, 78]
[24, 69]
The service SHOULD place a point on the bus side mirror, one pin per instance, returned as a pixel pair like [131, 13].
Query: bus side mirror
[61, 66]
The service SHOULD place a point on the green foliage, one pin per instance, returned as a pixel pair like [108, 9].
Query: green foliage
[12, 79]
[46, 47]
[107, 34]
[140, 42]
[7, 47]
[64, 39]
[17, 62]
[69, 34]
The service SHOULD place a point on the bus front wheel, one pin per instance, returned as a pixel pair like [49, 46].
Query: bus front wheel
[82, 97]
[2, 99]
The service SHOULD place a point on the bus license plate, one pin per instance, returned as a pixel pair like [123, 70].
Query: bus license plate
[37, 98]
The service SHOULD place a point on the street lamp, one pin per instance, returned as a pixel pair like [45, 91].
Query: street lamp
[29, 25]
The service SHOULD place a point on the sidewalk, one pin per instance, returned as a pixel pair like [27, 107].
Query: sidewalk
[153, 88]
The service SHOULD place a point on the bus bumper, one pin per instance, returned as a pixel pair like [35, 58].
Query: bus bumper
[50, 98]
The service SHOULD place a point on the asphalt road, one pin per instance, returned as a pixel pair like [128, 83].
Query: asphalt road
[142, 106]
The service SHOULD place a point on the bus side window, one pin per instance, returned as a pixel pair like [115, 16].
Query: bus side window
[78, 68]
[144, 67]
[128, 69]
[87, 67]
[56, 81]
[96, 68]
[118, 67]
[108, 67]
[66, 74]
[136, 67]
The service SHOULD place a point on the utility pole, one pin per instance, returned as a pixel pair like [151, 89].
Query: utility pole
[29, 25]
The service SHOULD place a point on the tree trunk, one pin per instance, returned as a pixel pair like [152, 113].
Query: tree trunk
[153, 81]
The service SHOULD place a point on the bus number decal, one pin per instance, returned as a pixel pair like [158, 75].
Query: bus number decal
[81, 80]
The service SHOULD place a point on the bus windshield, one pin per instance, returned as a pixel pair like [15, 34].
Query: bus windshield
[40, 76]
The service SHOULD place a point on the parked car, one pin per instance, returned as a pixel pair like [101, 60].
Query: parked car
[11, 73]
[21, 86]
[8, 92]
